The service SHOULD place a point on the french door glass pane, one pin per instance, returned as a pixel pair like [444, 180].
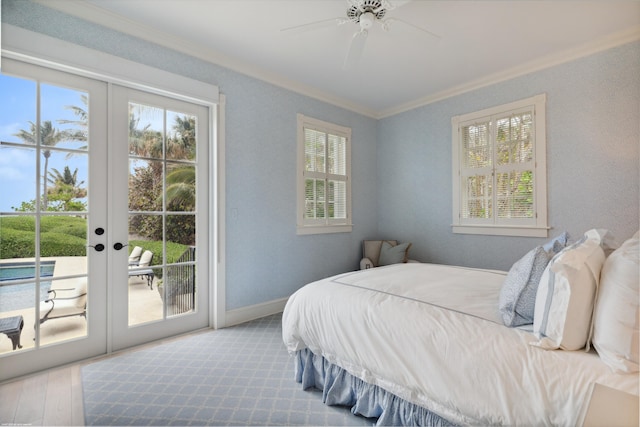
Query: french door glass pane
[181, 136]
[65, 186]
[43, 211]
[17, 171]
[145, 185]
[145, 301]
[66, 297]
[162, 211]
[67, 111]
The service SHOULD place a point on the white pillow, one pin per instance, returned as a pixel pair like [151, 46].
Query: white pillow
[617, 313]
[566, 294]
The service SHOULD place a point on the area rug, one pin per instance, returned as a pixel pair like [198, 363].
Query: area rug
[240, 375]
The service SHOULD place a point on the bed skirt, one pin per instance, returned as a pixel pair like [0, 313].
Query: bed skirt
[341, 388]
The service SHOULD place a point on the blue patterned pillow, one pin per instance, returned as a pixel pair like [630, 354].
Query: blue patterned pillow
[518, 293]
[558, 243]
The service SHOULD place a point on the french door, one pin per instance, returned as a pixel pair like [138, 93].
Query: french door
[88, 172]
[159, 206]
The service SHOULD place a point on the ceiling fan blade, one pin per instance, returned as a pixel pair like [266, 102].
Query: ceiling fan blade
[387, 22]
[315, 25]
[355, 49]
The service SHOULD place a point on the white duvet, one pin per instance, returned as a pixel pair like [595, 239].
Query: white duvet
[432, 335]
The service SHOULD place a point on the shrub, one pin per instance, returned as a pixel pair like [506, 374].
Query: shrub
[59, 236]
[174, 250]
[15, 243]
[58, 244]
[70, 225]
[64, 236]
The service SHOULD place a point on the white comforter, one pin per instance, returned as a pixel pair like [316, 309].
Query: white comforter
[432, 335]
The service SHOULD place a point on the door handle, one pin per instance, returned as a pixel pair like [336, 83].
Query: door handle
[117, 246]
[99, 247]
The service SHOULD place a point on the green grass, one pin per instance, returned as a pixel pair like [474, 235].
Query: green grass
[63, 236]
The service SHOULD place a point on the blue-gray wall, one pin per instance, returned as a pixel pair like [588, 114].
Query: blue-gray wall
[266, 260]
[593, 124]
[401, 165]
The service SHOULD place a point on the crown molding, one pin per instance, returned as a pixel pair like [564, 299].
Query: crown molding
[91, 13]
[97, 15]
[617, 39]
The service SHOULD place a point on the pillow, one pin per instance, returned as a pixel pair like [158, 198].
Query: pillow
[557, 244]
[566, 294]
[518, 292]
[617, 313]
[393, 254]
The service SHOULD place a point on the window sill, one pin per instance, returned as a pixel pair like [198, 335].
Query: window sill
[323, 229]
[501, 230]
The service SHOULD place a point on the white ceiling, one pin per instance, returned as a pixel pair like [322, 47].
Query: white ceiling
[480, 42]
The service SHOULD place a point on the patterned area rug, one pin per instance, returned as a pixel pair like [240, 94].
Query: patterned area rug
[241, 375]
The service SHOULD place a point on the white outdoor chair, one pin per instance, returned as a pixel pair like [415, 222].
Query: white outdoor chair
[65, 302]
[134, 256]
[146, 273]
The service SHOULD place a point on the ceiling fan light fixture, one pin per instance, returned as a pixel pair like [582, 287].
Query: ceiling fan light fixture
[358, 8]
[366, 20]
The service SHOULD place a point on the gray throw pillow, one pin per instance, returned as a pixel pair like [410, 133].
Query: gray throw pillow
[518, 293]
[393, 254]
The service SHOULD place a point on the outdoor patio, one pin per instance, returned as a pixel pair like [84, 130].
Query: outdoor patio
[144, 305]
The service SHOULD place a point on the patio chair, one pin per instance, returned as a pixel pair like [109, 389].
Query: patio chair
[65, 302]
[134, 256]
[146, 273]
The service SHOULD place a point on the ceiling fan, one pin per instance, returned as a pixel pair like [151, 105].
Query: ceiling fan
[364, 13]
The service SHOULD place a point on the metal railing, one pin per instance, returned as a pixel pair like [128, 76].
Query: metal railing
[180, 283]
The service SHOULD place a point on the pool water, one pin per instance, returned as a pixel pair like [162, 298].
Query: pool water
[21, 296]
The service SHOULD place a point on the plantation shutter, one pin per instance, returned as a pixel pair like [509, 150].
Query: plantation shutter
[325, 175]
[497, 166]
[514, 166]
[476, 172]
[499, 170]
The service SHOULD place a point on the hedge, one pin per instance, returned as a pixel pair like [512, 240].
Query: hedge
[63, 236]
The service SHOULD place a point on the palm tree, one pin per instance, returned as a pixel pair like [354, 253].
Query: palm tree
[143, 142]
[181, 189]
[66, 189]
[81, 130]
[49, 137]
[67, 178]
[183, 143]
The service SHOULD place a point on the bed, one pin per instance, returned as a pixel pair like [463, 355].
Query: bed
[426, 344]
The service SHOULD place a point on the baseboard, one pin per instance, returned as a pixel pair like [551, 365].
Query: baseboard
[252, 312]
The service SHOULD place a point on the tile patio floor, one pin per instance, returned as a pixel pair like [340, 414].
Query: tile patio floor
[144, 305]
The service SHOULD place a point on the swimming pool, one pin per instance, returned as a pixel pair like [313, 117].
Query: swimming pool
[19, 296]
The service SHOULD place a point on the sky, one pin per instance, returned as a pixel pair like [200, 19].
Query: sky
[18, 161]
[18, 107]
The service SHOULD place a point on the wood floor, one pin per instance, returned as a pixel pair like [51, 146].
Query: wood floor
[54, 397]
[51, 398]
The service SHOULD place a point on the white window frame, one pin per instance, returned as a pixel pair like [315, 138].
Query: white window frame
[534, 227]
[323, 225]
